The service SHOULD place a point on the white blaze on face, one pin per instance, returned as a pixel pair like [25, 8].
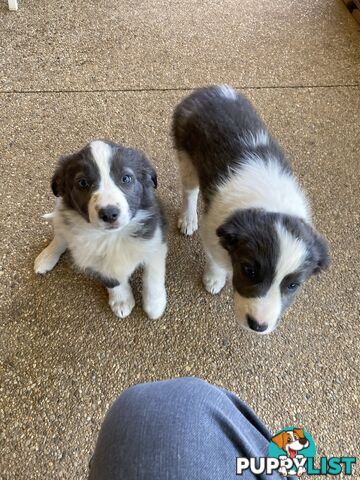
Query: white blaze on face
[108, 193]
[266, 310]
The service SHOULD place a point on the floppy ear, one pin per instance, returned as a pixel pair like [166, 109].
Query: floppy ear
[149, 173]
[58, 179]
[320, 252]
[247, 226]
[280, 440]
[228, 233]
[153, 177]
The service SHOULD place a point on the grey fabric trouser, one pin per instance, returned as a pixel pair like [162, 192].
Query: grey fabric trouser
[181, 429]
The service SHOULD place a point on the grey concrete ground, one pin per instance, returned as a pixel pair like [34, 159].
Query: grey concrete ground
[74, 71]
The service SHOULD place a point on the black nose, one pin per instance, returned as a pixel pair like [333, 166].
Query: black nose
[254, 325]
[109, 214]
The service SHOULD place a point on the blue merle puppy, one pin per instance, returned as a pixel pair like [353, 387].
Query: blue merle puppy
[109, 218]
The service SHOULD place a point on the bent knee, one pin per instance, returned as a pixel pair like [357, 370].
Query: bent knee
[181, 387]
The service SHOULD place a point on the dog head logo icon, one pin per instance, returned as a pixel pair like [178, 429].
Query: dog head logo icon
[292, 446]
[292, 441]
[292, 453]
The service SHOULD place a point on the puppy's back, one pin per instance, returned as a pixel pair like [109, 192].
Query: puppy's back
[219, 130]
[213, 118]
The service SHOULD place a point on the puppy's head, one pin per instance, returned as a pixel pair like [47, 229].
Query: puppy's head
[105, 183]
[272, 256]
[291, 441]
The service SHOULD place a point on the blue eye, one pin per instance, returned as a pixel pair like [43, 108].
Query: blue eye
[126, 179]
[293, 286]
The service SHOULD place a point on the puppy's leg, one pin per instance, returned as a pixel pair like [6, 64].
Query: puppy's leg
[121, 299]
[214, 277]
[188, 219]
[154, 293]
[49, 257]
[215, 274]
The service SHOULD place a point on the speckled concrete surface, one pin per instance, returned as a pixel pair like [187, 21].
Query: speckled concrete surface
[65, 356]
[107, 44]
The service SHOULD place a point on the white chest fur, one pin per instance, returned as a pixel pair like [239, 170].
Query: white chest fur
[112, 254]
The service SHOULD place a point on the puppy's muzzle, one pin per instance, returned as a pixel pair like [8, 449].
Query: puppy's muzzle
[109, 214]
[255, 325]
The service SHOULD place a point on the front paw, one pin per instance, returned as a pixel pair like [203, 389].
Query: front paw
[213, 284]
[154, 305]
[188, 223]
[45, 261]
[122, 308]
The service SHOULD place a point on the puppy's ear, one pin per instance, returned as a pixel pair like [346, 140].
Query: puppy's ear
[154, 179]
[228, 233]
[320, 253]
[246, 228]
[149, 172]
[58, 179]
[57, 183]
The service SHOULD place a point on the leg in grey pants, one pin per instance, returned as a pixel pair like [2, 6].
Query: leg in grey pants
[181, 429]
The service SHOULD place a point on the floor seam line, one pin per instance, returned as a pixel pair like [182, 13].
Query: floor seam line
[154, 90]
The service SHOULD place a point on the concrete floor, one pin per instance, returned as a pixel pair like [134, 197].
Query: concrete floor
[74, 71]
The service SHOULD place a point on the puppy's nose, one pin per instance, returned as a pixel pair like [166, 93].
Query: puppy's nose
[109, 214]
[254, 325]
[303, 441]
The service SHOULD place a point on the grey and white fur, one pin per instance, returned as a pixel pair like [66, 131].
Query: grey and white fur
[256, 227]
[109, 218]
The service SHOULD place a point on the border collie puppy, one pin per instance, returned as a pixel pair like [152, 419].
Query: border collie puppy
[257, 223]
[108, 217]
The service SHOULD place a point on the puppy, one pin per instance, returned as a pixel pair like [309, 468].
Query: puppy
[257, 224]
[108, 217]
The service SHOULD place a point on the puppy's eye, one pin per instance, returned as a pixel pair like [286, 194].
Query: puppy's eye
[126, 179]
[83, 183]
[293, 286]
[248, 271]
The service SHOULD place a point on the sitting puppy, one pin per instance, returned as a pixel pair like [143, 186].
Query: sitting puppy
[110, 220]
[256, 226]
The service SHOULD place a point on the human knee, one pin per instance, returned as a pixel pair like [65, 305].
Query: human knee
[168, 394]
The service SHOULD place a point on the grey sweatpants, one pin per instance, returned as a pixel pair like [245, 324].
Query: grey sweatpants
[181, 429]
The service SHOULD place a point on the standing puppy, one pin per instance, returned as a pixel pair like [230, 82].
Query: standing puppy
[256, 227]
[108, 217]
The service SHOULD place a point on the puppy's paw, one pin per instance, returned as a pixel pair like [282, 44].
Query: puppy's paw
[122, 308]
[187, 224]
[46, 261]
[213, 284]
[154, 305]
